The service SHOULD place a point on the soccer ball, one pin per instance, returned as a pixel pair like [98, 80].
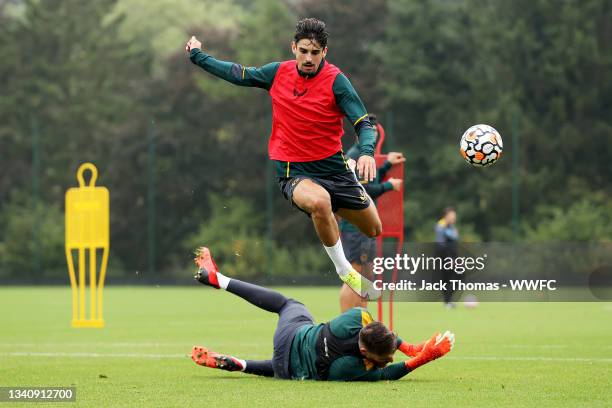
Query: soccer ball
[481, 145]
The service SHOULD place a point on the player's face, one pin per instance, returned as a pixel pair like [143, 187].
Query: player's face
[451, 217]
[379, 360]
[308, 55]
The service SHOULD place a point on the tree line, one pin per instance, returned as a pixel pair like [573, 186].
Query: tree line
[184, 155]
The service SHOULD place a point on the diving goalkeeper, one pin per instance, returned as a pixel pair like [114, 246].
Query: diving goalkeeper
[351, 347]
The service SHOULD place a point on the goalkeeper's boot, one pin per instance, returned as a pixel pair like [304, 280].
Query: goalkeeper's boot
[207, 269]
[438, 346]
[207, 358]
[360, 285]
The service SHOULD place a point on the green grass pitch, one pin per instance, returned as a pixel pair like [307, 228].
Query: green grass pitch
[506, 354]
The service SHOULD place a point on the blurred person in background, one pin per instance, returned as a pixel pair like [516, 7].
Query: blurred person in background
[446, 246]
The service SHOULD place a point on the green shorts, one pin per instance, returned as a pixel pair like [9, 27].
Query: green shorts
[344, 189]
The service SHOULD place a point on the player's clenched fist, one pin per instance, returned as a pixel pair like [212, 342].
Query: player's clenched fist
[192, 43]
[395, 158]
[396, 183]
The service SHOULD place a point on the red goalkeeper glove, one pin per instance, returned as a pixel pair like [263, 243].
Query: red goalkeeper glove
[436, 347]
[411, 350]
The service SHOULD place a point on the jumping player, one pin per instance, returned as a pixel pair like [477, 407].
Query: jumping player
[351, 347]
[310, 98]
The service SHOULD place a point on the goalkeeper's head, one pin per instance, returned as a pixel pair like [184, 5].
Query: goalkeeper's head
[377, 343]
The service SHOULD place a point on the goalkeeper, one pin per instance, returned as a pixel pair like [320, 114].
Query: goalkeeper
[352, 347]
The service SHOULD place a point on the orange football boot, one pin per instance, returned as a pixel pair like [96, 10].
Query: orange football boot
[207, 358]
[207, 268]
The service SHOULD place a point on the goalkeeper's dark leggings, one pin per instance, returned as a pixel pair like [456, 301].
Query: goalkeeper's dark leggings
[265, 299]
[259, 367]
[259, 296]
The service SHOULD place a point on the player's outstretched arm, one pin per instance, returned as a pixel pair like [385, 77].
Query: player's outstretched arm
[375, 190]
[436, 347]
[392, 159]
[259, 77]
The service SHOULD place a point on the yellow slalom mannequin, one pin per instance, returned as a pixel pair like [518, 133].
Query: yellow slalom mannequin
[87, 231]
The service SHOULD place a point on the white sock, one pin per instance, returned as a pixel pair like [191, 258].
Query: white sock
[243, 362]
[223, 280]
[336, 254]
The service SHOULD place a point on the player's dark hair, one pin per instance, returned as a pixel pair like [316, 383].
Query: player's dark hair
[312, 29]
[378, 339]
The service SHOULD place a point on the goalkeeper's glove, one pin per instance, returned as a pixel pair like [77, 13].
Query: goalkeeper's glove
[411, 350]
[436, 347]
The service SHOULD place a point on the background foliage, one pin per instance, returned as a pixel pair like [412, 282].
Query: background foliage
[109, 82]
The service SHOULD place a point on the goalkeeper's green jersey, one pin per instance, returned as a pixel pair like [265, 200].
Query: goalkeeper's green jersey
[344, 368]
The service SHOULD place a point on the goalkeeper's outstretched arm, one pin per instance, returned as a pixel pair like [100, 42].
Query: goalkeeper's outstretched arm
[436, 347]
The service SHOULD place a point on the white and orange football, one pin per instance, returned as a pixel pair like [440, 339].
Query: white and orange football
[481, 145]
